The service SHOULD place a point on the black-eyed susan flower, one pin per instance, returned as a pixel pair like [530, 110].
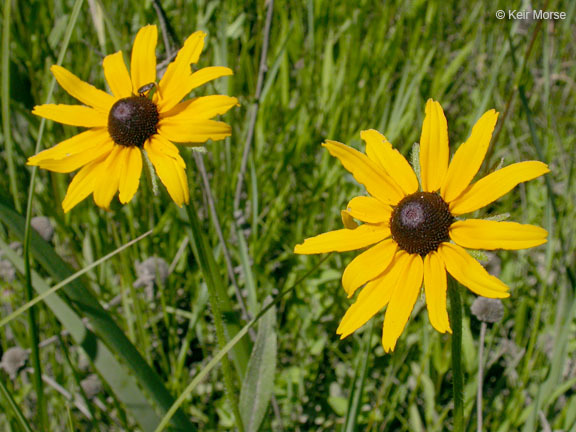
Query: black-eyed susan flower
[415, 233]
[128, 121]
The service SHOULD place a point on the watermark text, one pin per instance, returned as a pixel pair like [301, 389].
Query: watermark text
[536, 14]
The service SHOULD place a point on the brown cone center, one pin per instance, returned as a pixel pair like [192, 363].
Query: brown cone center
[132, 121]
[420, 222]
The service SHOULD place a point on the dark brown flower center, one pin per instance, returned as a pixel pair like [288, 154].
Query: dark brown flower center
[420, 222]
[132, 121]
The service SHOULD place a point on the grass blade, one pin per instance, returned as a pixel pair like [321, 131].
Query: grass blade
[125, 389]
[216, 359]
[360, 372]
[66, 281]
[6, 129]
[107, 339]
[14, 406]
[258, 385]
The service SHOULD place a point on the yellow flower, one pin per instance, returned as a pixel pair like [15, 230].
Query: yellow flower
[415, 233]
[124, 123]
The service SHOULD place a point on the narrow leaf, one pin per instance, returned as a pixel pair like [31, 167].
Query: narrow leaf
[114, 356]
[258, 383]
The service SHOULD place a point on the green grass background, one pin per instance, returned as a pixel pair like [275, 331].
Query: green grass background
[333, 69]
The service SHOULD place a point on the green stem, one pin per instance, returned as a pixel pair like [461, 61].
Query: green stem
[7, 132]
[26, 243]
[14, 407]
[32, 322]
[203, 255]
[235, 340]
[457, 373]
[480, 376]
[34, 341]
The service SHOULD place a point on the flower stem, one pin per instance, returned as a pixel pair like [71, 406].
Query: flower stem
[480, 376]
[203, 255]
[457, 374]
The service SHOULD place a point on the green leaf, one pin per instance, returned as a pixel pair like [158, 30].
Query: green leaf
[235, 340]
[499, 217]
[220, 308]
[339, 404]
[258, 383]
[115, 358]
[479, 255]
[416, 161]
[204, 254]
[357, 385]
[13, 406]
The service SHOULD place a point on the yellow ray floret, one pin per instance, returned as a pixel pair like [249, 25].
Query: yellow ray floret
[129, 121]
[412, 236]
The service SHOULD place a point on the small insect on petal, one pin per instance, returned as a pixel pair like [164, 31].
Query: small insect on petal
[146, 88]
[128, 123]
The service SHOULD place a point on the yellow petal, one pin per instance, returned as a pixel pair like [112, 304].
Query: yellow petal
[369, 209]
[347, 220]
[469, 157]
[143, 62]
[107, 184]
[373, 297]
[74, 115]
[403, 299]
[117, 75]
[82, 184]
[181, 174]
[368, 265]
[435, 289]
[169, 99]
[366, 172]
[170, 168]
[130, 174]
[391, 160]
[181, 130]
[434, 149]
[164, 146]
[207, 74]
[495, 185]
[343, 240]
[201, 108]
[490, 235]
[84, 92]
[77, 160]
[470, 272]
[174, 85]
[89, 140]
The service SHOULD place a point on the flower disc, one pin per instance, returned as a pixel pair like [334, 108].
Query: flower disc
[132, 121]
[420, 222]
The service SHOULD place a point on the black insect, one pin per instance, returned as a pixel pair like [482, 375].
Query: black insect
[146, 88]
